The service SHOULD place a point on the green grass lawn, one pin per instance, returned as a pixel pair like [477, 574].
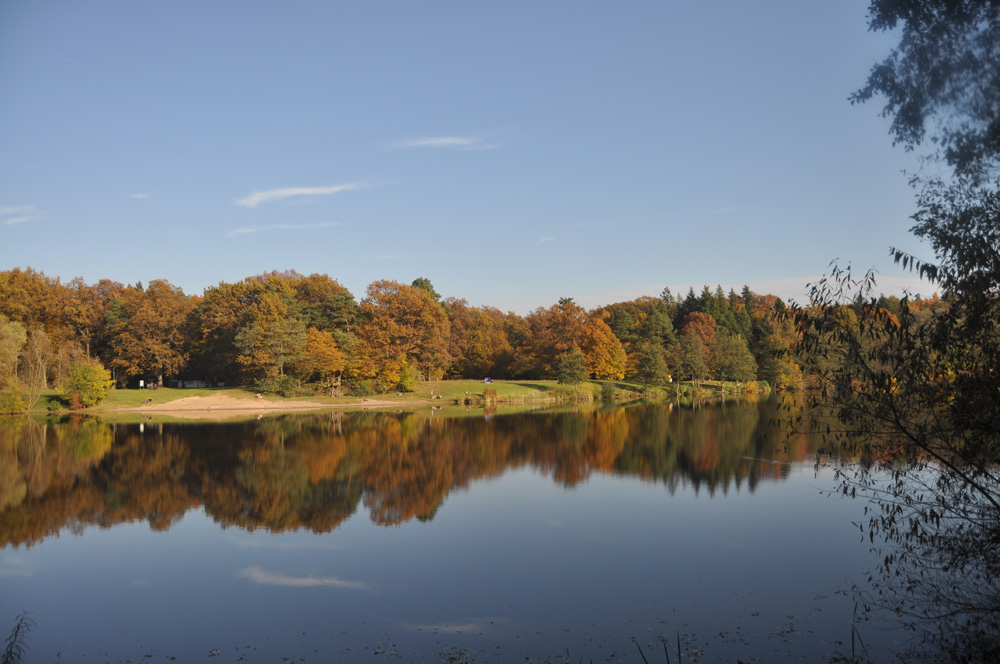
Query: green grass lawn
[439, 392]
[135, 398]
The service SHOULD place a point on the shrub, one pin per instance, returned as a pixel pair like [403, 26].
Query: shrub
[11, 401]
[407, 378]
[362, 388]
[87, 385]
[571, 367]
[282, 385]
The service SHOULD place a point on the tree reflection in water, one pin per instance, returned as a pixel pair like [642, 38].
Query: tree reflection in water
[313, 471]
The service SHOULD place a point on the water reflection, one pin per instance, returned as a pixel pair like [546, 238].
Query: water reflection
[314, 471]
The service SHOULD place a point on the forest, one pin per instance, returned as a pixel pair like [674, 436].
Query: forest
[287, 333]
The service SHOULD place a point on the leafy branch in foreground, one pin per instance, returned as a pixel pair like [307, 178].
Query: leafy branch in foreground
[914, 399]
[911, 414]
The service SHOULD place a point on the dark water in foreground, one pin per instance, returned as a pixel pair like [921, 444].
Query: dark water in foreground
[429, 536]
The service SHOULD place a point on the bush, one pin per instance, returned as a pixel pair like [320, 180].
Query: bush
[11, 401]
[282, 385]
[571, 368]
[362, 388]
[87, 385]
[407, 378]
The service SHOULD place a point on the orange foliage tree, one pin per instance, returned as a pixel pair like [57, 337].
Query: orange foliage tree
[401, 326]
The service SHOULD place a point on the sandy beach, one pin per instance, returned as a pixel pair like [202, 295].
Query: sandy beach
[220, 405]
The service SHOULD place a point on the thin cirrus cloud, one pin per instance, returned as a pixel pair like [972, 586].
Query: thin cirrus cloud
[283, 546]
[399, 257]
[15, 567]
[282, 227]
[458, 142]
[266, 578]
[139, 196]
[272, 195]
[18, 214]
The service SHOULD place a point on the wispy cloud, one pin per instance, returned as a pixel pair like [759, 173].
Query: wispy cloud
[459, 142]
[283, 546]
[263, 577]
[282, 227]
[18, 214]
[74, 63]
[271, 195]
[16, 209]
[545, 239]
[12, 567]
[137, 196]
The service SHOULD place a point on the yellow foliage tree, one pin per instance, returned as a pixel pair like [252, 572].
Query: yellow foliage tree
[320, 357]
[605, 355]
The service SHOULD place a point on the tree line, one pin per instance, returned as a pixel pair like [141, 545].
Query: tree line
[284, 332]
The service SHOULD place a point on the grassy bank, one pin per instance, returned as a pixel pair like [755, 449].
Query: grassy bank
[446, 392]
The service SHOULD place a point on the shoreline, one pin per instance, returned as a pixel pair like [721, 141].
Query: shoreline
[242, 402]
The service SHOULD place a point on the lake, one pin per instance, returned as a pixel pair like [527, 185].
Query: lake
[437, 535]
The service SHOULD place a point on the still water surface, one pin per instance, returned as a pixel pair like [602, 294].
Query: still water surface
[429, 536]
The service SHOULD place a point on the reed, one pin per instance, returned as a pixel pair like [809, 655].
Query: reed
[666, 651]
[14, 646]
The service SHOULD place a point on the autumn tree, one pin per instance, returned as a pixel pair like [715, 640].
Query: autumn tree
[219, 317]
[521, 362]
[602, 350]
[400, 325]
[36, 300]
[777, 348]
[325, 304]
[554, 331]
[148, 331]
[460, 320]
[35, 365]
[488, 350]
[12, 339]
[320, 357]
[271, 338]
[702, 325]
[86, 311]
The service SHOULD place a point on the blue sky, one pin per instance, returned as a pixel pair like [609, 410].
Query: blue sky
[513, 153]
